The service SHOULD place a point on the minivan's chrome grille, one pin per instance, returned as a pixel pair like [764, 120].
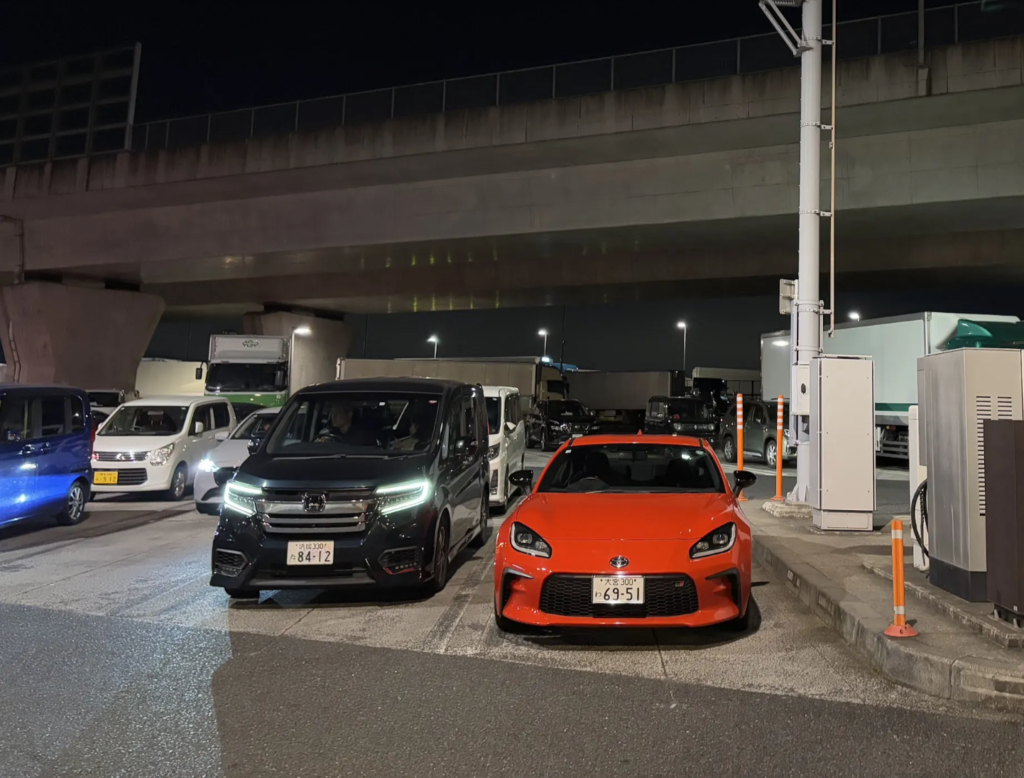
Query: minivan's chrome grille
[313, 512]
[120, 456]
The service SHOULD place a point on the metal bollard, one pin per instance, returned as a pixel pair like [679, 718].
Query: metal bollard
[899, 627]
[780, 443]
[739, 440]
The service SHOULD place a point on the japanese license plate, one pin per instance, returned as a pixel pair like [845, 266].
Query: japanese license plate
[617, 590]
[105, 477]
[310, 552]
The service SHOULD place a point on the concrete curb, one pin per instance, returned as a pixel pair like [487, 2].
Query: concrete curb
[925, 668]
[786, 510]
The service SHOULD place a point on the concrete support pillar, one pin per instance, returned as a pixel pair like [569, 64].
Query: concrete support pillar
[315, 355]
[75, 336]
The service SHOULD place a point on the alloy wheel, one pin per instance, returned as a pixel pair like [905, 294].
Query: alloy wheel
[76, 502]
[770, 453]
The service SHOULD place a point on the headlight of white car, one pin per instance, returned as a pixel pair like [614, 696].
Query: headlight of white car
[493, 451]
[207, 466]
[159, 456]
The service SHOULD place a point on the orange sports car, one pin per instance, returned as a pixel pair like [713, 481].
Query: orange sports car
[626, 531]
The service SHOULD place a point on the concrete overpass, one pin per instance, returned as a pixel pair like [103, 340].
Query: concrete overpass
[661, 190]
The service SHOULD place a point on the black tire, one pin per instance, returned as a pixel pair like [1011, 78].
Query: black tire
[544, 445]
[770, 447]
[75, 501]
[242, 594]
[480, 540]
[729, 449]
[179, 482]
[441, 568]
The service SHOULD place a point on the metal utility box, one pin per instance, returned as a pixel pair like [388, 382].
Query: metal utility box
[959, 390]
[1004, 519]
[842, 443]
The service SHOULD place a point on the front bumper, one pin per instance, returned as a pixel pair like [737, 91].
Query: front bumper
[389, 552]
[694, 593]
[134, 476]
[497, 480]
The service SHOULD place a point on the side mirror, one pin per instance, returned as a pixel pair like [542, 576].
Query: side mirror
[742, 479]
[198, 428]
[199, 373]
[254, 443]
[510, 426]
[522, 478]
[222, 435]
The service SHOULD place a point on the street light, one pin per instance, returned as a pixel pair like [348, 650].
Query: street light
[681, 325]
[854, 316]
[544, 334]
[302, 330]
[435, 340]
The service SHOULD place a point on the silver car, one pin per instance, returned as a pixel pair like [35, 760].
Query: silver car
[220, 465]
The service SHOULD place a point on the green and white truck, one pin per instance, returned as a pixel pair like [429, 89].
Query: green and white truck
[249, 369]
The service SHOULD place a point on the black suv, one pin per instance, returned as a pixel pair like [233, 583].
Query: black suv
[552, 422]
[680, 416]
[365, 481]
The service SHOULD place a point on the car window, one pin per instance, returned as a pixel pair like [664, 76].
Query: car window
[757, 414]
[633, 467]
[255, 426]
[200, 416]
[493, 414]
[221, 416]
[14, 419]
[77, 414]
[51, 415]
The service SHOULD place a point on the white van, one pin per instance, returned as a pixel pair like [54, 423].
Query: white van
[156, 444]
[506, 439]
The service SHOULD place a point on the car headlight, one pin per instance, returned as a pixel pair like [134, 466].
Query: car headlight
[785, 433]
[526, 541]
[493, 451]
[718, 541]
[159, 456]
[566, 427]
[207, 466]
[399, 497]
[241, 497]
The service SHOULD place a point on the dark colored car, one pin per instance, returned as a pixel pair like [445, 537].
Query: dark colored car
[552, 422]
[45, 445]
[617, 423]
[365, 481]
[759, 432]
[681, 416]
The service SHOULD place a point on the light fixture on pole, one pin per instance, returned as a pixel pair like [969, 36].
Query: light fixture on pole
[544, 334]
[681, 325]
[301, 330]
[435, 340]
[854, 316]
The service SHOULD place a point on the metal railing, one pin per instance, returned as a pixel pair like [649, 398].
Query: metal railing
[959, 22]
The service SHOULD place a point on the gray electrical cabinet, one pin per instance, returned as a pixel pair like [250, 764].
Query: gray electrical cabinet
[842, 479]
[958, 391]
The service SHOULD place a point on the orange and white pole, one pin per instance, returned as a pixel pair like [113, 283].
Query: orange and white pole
[780, 443]
[899, 627]
[739, 439]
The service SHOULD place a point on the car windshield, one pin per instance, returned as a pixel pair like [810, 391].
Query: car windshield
[379, 423]
[633, 468]
[254, 426]
[567, 409]
[146, 420]
[104, 399]
[676, 409]
[230, 377]
[493, 414]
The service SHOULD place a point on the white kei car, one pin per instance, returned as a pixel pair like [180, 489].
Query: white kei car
[220, 465]
[156, 444]
[506, 440]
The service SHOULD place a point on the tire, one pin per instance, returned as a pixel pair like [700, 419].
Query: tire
[480, 540]
[75, 501]
[242, 594]
[729, 449]
[544, 445]
[179, 482]
[440, 577]
[771, 452]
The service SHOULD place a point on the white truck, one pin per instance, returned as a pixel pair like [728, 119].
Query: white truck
[607, 391]
[894, 344]
[251, 369]
[169, 377]
[534, 379]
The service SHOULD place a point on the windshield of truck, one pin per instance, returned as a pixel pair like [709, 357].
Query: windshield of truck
[633, 467]
[567, 409]
[231, 377]
[380, 423]
[146, 420]
[493, 414]
[104, 399]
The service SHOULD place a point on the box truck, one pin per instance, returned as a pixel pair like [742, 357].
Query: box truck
[249, 369]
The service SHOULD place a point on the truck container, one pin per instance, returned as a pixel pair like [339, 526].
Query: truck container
[624, 392]
[249, 369]
[894, 344]
[169, 377]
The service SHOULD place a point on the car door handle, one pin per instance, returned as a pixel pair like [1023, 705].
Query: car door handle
[34, 448]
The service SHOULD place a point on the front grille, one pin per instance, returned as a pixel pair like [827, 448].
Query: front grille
[664, 595]
[135, 476]
[341, 569]
[283, 511]
[120, 456]
[228, 562]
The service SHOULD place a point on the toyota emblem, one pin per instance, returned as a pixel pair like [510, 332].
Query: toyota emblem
[314, 503]
[619, 561]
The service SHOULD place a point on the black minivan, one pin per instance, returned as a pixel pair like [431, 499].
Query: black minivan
[378, 480]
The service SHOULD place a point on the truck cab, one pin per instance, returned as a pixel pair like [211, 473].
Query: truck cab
[249, 369]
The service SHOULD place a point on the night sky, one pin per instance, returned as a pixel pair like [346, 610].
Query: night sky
[215, 56]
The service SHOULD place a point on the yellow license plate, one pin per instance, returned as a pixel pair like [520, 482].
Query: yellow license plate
[108, 478]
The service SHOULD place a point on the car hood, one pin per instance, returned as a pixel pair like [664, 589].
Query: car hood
[597, 516]
[230, 453]
[332, 472]
[133, 442]
[569, 419]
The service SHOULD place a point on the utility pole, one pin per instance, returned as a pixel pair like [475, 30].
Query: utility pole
[808, 308]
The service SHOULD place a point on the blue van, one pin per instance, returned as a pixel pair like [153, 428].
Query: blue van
[45, 445]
